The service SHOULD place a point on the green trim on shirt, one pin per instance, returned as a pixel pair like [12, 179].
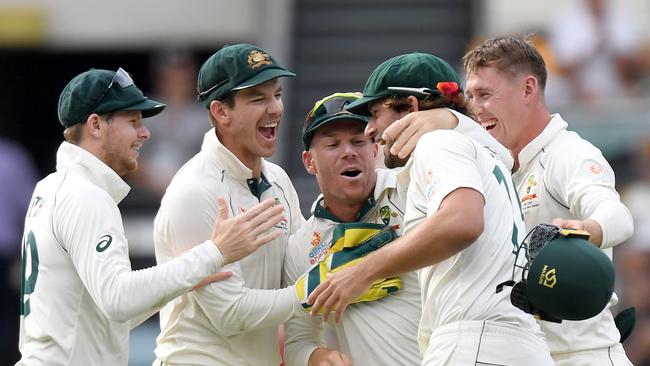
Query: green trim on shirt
[258, 188]
[321, 212]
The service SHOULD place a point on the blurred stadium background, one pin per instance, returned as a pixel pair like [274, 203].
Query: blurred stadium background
[599, 80]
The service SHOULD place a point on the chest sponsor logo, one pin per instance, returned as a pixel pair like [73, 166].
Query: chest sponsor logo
[319, 249]
[104, 242]
[547, 278]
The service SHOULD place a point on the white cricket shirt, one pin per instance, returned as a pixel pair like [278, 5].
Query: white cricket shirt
[232, 322]
[80, 297]
[381, 332]
[463, 287]
[563, 176]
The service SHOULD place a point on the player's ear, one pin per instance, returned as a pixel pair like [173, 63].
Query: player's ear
[413, 103]
[220, 113]
[530, 86]
[308, 162]
[93, 126]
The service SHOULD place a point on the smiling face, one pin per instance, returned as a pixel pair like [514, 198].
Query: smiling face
[250, 127]
[381, 117]
[498, 103]
[121, 142]
[343, 160]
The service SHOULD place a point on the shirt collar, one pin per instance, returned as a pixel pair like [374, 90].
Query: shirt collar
[323, 213]
[71, 156]
[226, 160]
[555, 126]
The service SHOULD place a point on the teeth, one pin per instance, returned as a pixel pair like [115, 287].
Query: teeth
[489, 123]
[270, 125]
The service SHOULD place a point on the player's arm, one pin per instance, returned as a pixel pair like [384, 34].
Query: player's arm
[229, 305]
[90, 230]
[404, 133]
[454, 221]
[586, 184]
[455, 226]
[303, 335]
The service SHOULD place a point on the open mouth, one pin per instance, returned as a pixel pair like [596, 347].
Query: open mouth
[351, 173]
[489, 124]
[269, 130]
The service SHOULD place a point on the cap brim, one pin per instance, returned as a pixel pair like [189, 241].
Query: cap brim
[360, 106]
[308, 134]
[148, 107]
[262, 77]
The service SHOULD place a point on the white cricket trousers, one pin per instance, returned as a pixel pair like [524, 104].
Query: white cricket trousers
[609, 356]
[480, 343]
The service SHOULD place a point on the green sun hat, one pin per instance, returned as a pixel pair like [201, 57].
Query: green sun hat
[416, 70]
[102, 91]
[236, 67]
[328, 110]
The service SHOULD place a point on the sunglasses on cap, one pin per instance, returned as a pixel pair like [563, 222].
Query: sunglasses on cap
[122, 78]
[331, 105]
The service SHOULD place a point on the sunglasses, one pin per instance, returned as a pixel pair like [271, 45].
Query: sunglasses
[332, 104]
[122, 78]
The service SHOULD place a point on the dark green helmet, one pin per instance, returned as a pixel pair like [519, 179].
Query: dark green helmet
[565, 277]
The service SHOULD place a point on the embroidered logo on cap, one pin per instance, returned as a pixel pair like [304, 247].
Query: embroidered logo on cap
[257, 59]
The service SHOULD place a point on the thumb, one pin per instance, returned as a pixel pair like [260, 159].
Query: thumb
[223, 209]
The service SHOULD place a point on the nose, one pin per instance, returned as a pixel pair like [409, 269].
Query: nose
[276, 107]
[371, 129]
[474, 106]
[144, 132]
[349, 150]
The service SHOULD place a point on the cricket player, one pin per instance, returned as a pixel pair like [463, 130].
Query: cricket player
[80, 297]
[235, 323]
[379, 332]
[561, 178]
[462, 223]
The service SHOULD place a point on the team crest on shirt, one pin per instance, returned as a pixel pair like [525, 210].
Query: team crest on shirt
[433, 184]
[530, 199]
[258, 59]
[598, 177]
[384, 213]
[315, 238]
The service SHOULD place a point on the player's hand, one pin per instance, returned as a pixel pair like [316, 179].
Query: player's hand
[239, 236]
[338, 291]
[216, 277]
[328, 357]
[589, 225]
[403, 134]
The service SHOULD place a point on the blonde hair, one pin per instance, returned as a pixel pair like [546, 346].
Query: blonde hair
[510, 56]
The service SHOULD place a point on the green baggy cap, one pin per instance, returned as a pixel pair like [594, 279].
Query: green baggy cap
[236, 67]
[102, 91]
[411, 70]
[328, 110]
